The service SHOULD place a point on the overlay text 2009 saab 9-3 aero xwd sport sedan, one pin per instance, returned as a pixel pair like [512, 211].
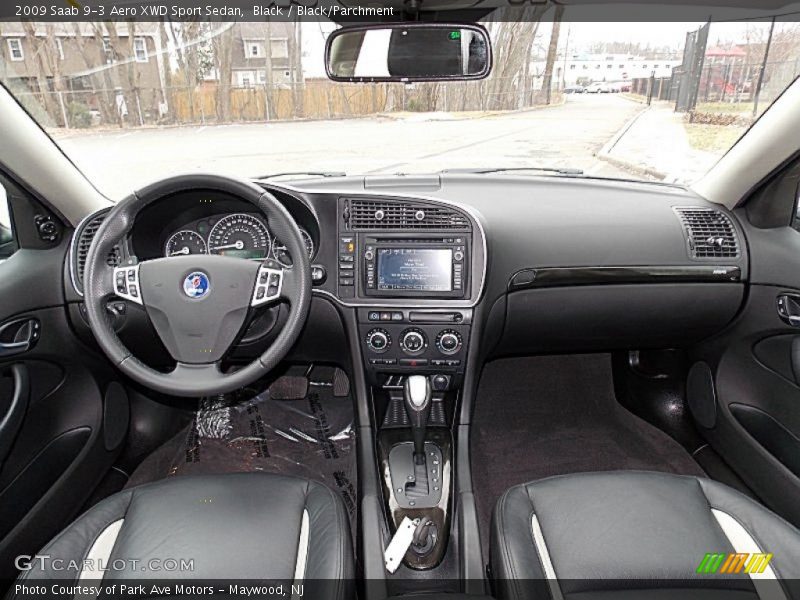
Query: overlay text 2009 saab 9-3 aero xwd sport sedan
[372, 303]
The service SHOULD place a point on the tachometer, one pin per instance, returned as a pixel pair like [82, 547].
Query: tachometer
[239, 235]
[185, 242]
[280, 253]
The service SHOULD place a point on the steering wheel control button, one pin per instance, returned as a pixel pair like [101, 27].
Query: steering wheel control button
[448, 341]
[196, 285]
[268, 285]
[126, 283]
[378, 340]
[413, 341]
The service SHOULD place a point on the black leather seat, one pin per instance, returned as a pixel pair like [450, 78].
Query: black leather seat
[239, 526]
[633, 534]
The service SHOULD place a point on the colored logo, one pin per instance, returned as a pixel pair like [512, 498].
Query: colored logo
[196, 285]
[734, 563]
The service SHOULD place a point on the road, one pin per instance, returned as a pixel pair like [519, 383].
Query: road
[561, 136]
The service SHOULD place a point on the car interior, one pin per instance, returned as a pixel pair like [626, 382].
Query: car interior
[457, 383]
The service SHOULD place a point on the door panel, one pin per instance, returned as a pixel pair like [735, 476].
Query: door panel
[52, 451]
[755, 366]
[15, 393]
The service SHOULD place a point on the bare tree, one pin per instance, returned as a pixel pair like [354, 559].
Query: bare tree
[296, 67]
[185, 37]
[41, 70]
[513, 32]
[54, 65]
[126, 97]
[169, 92]
[269, 105]
[223, 56]
[92, 54]
[552, 52]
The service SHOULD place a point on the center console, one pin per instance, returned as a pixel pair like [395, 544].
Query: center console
[413, 270]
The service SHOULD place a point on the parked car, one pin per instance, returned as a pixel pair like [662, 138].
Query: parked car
[598, 87]
[574, 89]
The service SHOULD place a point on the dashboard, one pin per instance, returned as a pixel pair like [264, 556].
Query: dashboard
[239, 234]
[559, 265]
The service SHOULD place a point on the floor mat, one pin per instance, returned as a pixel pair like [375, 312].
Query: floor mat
[544, 416]
[302, 426]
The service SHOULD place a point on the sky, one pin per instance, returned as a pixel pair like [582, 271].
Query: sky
[581, 36]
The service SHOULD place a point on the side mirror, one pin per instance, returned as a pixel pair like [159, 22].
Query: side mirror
[408, 52]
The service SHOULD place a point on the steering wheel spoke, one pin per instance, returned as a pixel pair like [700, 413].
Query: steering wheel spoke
[126, 283]
[196, 374]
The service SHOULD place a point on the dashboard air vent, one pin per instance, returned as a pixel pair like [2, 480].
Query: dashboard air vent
[710, 233]
[85, 237]
[386, 214]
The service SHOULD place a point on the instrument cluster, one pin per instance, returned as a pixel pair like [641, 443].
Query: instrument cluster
[241, 235]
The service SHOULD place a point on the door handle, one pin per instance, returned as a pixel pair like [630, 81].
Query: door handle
[788, 306]
[19, 335]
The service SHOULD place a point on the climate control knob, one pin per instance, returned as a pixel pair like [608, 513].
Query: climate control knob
[413, 341]
[378, 340]
[448, 341]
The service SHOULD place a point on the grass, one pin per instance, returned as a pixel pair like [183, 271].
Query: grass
[724, 107]
[712, 138]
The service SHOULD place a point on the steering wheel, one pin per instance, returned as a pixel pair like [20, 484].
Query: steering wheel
[198, 303]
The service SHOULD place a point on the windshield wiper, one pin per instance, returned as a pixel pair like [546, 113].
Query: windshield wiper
[298, 173]
[481, 170]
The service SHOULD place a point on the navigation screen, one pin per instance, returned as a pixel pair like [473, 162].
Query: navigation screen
[420, 269]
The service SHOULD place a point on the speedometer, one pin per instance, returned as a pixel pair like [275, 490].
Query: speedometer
[239, 235]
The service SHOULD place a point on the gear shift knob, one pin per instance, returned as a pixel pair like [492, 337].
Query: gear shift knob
[417, 398]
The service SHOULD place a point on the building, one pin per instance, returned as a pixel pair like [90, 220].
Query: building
[583, 69]
[249, 59]
[74, 67]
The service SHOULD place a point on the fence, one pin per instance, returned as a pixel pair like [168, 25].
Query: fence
[733, 86]
[750, 65]
[211, 103]
[202, 104]
[726, 88]
[657, 88]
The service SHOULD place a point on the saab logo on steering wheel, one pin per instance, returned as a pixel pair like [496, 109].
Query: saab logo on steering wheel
[196, 284]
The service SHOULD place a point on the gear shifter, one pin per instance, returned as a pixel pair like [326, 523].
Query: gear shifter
[417, 398]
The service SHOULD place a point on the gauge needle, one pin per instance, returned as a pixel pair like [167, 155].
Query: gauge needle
[184, 250]
[239, 245]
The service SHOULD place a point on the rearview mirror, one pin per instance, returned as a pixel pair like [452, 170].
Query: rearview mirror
[408, 52]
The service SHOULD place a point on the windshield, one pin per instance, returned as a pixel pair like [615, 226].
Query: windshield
[130, 102]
